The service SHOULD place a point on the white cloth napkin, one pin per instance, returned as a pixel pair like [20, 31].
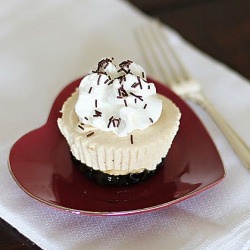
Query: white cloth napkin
[46, 44]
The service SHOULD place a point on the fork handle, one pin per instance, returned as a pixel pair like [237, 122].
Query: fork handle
[238, 145]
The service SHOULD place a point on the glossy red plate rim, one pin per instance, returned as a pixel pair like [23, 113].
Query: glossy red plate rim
[191, 173]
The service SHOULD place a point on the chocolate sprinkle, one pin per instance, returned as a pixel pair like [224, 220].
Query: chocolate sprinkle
[110, 120]
[139, 81]
[99, 78]
[97, 113]
[121, 78]
[134, 85]
[125, 64]
[79, 126]
[137, 96]
[131, 139]
[90, 89]
[91, 133]
[151, 119]
[122, 69]
[125, 102]
[145, 106]
[102, 64]
[114, 121]
[122, 92]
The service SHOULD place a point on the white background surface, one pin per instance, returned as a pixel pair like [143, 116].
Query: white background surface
[44, 45]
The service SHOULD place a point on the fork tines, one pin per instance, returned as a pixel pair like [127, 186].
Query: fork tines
[160, 56]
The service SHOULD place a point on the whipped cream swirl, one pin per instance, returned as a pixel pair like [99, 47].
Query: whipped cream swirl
[117, 98]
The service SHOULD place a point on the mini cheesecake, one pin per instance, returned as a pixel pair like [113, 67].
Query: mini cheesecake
[127, 142]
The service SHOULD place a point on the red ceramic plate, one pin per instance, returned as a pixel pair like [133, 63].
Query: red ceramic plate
[41, 165]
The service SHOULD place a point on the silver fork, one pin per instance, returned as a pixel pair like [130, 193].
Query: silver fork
[158, 52]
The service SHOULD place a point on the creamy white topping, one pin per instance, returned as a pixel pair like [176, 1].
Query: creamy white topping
[117, 155]
[118, 98]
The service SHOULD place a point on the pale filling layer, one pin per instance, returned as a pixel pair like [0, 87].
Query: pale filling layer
[109, 153]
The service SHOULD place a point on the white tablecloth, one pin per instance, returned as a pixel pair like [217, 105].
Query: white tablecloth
[46, 44]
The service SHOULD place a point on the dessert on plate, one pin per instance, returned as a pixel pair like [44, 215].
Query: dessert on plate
[118, 128]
